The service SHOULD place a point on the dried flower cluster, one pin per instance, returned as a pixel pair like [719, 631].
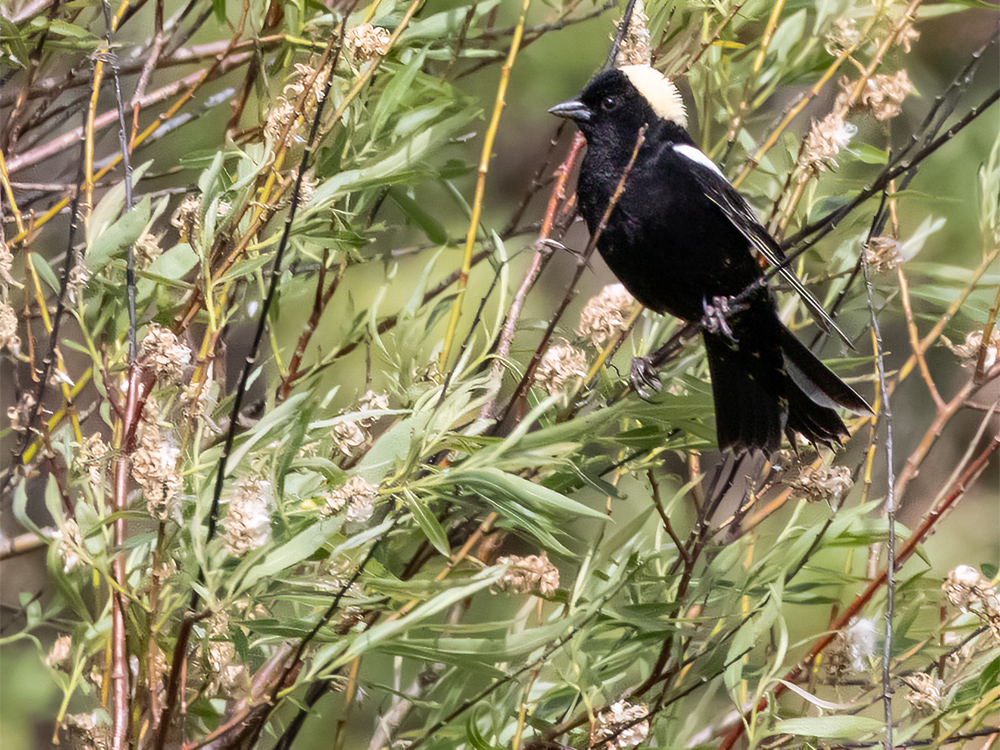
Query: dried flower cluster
[882, 95]
[93, 456]
[350, 435]
[926, 696]
[826, 139]
[79, 275]
[968, 352]
[883, 254]
[225, 670]
[187, 218]
[283, 121]
[533, 574]
[19, 414]
[906, 36]
[635, 46]
[969, 590]
[366, 42]
[620, 728]
[357, 495]
[843, 35]
[559, 365]
[823, 483]
[604, 315]
[59, 651]
[248, 521]
[154, 466]
[162, 351]
[147, 249]
[70, 543]
[89, 731]
[8, 329]
[6, 263]
[851, 651]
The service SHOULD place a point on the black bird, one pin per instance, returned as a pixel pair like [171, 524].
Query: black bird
[682, 240]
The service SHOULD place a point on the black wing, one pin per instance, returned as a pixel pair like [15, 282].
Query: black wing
[738, 211]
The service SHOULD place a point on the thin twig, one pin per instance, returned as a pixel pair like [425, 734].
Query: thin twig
[477, 202]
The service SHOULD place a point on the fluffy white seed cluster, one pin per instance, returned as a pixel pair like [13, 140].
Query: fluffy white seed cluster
[350, 435]
[248, 522]
[366, 42]
[969, 590]
[534, 574]
[165, 354]
[635, 48]
[852, 651]
[604, 316]
[826, 139]
[356, 495]
[621, 727]
[926, 694]
[283, 121]
[9, 339]
[883, 254]
[154, 466]
[968, 352]
[882, 95]
[823, 483]
[560, 364]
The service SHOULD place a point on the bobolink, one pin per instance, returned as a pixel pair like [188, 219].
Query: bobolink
[682, 240]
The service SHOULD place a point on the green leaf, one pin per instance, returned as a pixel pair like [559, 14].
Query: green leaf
[495, 482]
[476, 739]
[830, 727]
[386, 630]
[117, 237]
[64, 28]
[246, 267]
[173, 265]
[429, 524]
[10, 34]
[434, 230]
[869, 154]
[275, 418]
[295, 550]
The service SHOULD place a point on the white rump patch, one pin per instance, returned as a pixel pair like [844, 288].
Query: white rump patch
[660, 92]
[697, 155]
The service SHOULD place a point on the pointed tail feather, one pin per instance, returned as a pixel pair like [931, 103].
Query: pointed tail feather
[815, 379]
[767, 383]
[749, 413]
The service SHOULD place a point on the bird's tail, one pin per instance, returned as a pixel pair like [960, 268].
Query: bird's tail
[767, 382]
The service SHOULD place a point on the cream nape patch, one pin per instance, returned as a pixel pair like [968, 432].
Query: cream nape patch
[659, 91]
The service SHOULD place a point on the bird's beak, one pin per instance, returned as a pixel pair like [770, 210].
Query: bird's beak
[572, 110]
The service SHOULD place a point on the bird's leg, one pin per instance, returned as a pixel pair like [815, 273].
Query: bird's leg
[717, 313]
[645, 377]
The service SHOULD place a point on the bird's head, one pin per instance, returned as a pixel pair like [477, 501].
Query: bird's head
[618, 102]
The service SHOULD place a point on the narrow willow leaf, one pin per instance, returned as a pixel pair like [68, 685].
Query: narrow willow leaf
[830, 727]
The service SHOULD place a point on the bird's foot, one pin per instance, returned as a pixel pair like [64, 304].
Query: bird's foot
[717, 313]
[644, 377]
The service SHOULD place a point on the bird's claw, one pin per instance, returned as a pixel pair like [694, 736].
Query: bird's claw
[717, 313]
[645, 378]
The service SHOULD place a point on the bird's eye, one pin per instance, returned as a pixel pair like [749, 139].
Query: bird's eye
[609, 103]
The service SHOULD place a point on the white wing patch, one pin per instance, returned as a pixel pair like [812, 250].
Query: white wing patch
[698, 156]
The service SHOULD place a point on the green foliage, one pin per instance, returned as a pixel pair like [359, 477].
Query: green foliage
[384, 515]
